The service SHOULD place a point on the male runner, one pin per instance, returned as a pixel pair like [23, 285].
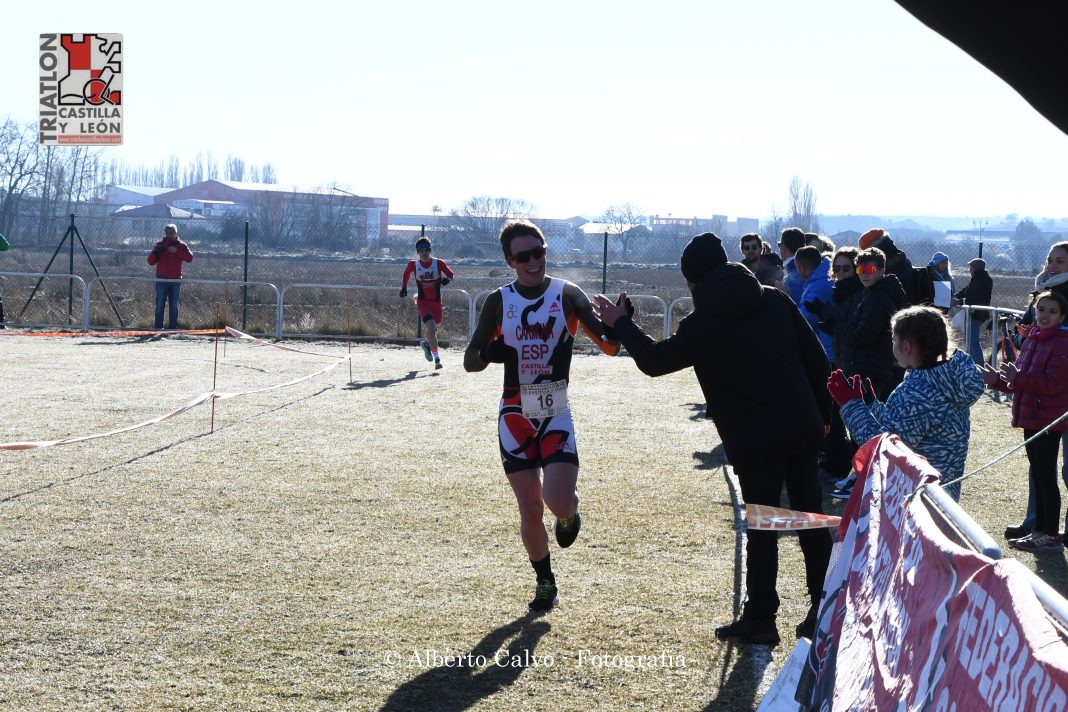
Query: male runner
[529, 326]
[431, 274]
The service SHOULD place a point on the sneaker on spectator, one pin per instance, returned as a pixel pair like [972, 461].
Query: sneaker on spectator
[1037, 541]
[843, 492]
[1016, 532]
[752, 630]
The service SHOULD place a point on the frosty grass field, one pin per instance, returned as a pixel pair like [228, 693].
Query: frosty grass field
[351, 542]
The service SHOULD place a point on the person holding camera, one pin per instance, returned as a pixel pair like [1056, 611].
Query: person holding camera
[168, 255]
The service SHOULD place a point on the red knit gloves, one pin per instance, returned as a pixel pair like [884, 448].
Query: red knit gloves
[844, 389]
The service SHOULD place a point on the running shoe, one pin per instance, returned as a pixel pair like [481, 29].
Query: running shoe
[1038, 541]
[747, 629]
[426, 350]
[567, 530]
[544, 596]
[437, 364]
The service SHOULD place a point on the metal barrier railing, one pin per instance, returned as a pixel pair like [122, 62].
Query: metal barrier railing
[280, 319]
[68, 277]
[958, 525]
[997, 314]
[126, 278]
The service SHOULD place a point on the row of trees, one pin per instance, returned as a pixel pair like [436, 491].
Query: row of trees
[51, 180]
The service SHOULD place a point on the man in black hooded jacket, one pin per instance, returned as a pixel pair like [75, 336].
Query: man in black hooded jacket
[771, 428]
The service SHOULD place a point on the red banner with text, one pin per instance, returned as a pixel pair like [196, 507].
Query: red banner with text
[911, 620]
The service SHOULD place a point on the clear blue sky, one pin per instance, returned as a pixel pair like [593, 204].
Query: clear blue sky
[688, 108]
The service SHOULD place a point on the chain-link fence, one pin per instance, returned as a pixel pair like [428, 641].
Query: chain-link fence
[115, 252]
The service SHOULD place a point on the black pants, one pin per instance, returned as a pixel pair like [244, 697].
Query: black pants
[762, 482]
[1042, 454]
[838, 449]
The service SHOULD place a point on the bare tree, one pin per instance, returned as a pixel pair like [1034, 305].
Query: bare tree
[19, 159]
[771, 229]
[234, 169]
[803, 206]
[621, 220]
[481, 217]
[267, 174]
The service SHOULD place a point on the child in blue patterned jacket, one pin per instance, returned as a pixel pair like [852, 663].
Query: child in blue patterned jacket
[930, 409]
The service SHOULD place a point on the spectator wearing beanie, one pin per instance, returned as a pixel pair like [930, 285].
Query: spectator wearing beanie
[939, 268]
[771, 427]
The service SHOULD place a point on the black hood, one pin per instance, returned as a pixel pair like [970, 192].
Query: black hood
[889, 248]
[729, 291]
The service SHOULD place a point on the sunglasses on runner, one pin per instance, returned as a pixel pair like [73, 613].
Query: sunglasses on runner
[867, 269]
[535, 253]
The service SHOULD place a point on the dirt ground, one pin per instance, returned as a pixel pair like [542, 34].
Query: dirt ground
[351, 542]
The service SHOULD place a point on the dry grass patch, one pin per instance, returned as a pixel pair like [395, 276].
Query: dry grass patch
[312, 550]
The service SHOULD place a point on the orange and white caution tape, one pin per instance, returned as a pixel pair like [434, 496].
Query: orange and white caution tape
[199, 400]
[33, 445]
[762, 516]
[76, 334]
[260, 342]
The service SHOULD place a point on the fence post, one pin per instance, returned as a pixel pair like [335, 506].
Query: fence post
[244, 287]
[70, 271]
[604, 266]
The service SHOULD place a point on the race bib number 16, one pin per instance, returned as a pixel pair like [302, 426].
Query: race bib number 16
[544, 400]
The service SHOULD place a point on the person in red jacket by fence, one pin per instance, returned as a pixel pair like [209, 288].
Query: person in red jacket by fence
[168, 255]
[1038, 381]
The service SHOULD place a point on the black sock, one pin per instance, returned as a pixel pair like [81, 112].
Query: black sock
[543, 569]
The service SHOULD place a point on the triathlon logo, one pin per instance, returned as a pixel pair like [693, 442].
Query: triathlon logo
[80, 89]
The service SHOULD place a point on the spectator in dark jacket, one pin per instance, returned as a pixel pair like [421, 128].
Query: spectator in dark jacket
[838, 449]
[867, 341]
[792, 240]
[769, 271]
[168, 255]
[977, 292]
[771, 428]
[897, 262]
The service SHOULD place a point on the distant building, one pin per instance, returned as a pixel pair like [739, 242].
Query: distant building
[133, 194]
[210, 208]
[688, 227]
[275, 204]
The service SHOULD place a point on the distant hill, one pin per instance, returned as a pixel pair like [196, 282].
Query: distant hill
[910, 224]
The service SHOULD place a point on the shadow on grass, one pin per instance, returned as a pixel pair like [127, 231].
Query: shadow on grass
[1051, 567]
[744, 666]
[698, 411]
[386, 382]
[460, 687]
[715, 459]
